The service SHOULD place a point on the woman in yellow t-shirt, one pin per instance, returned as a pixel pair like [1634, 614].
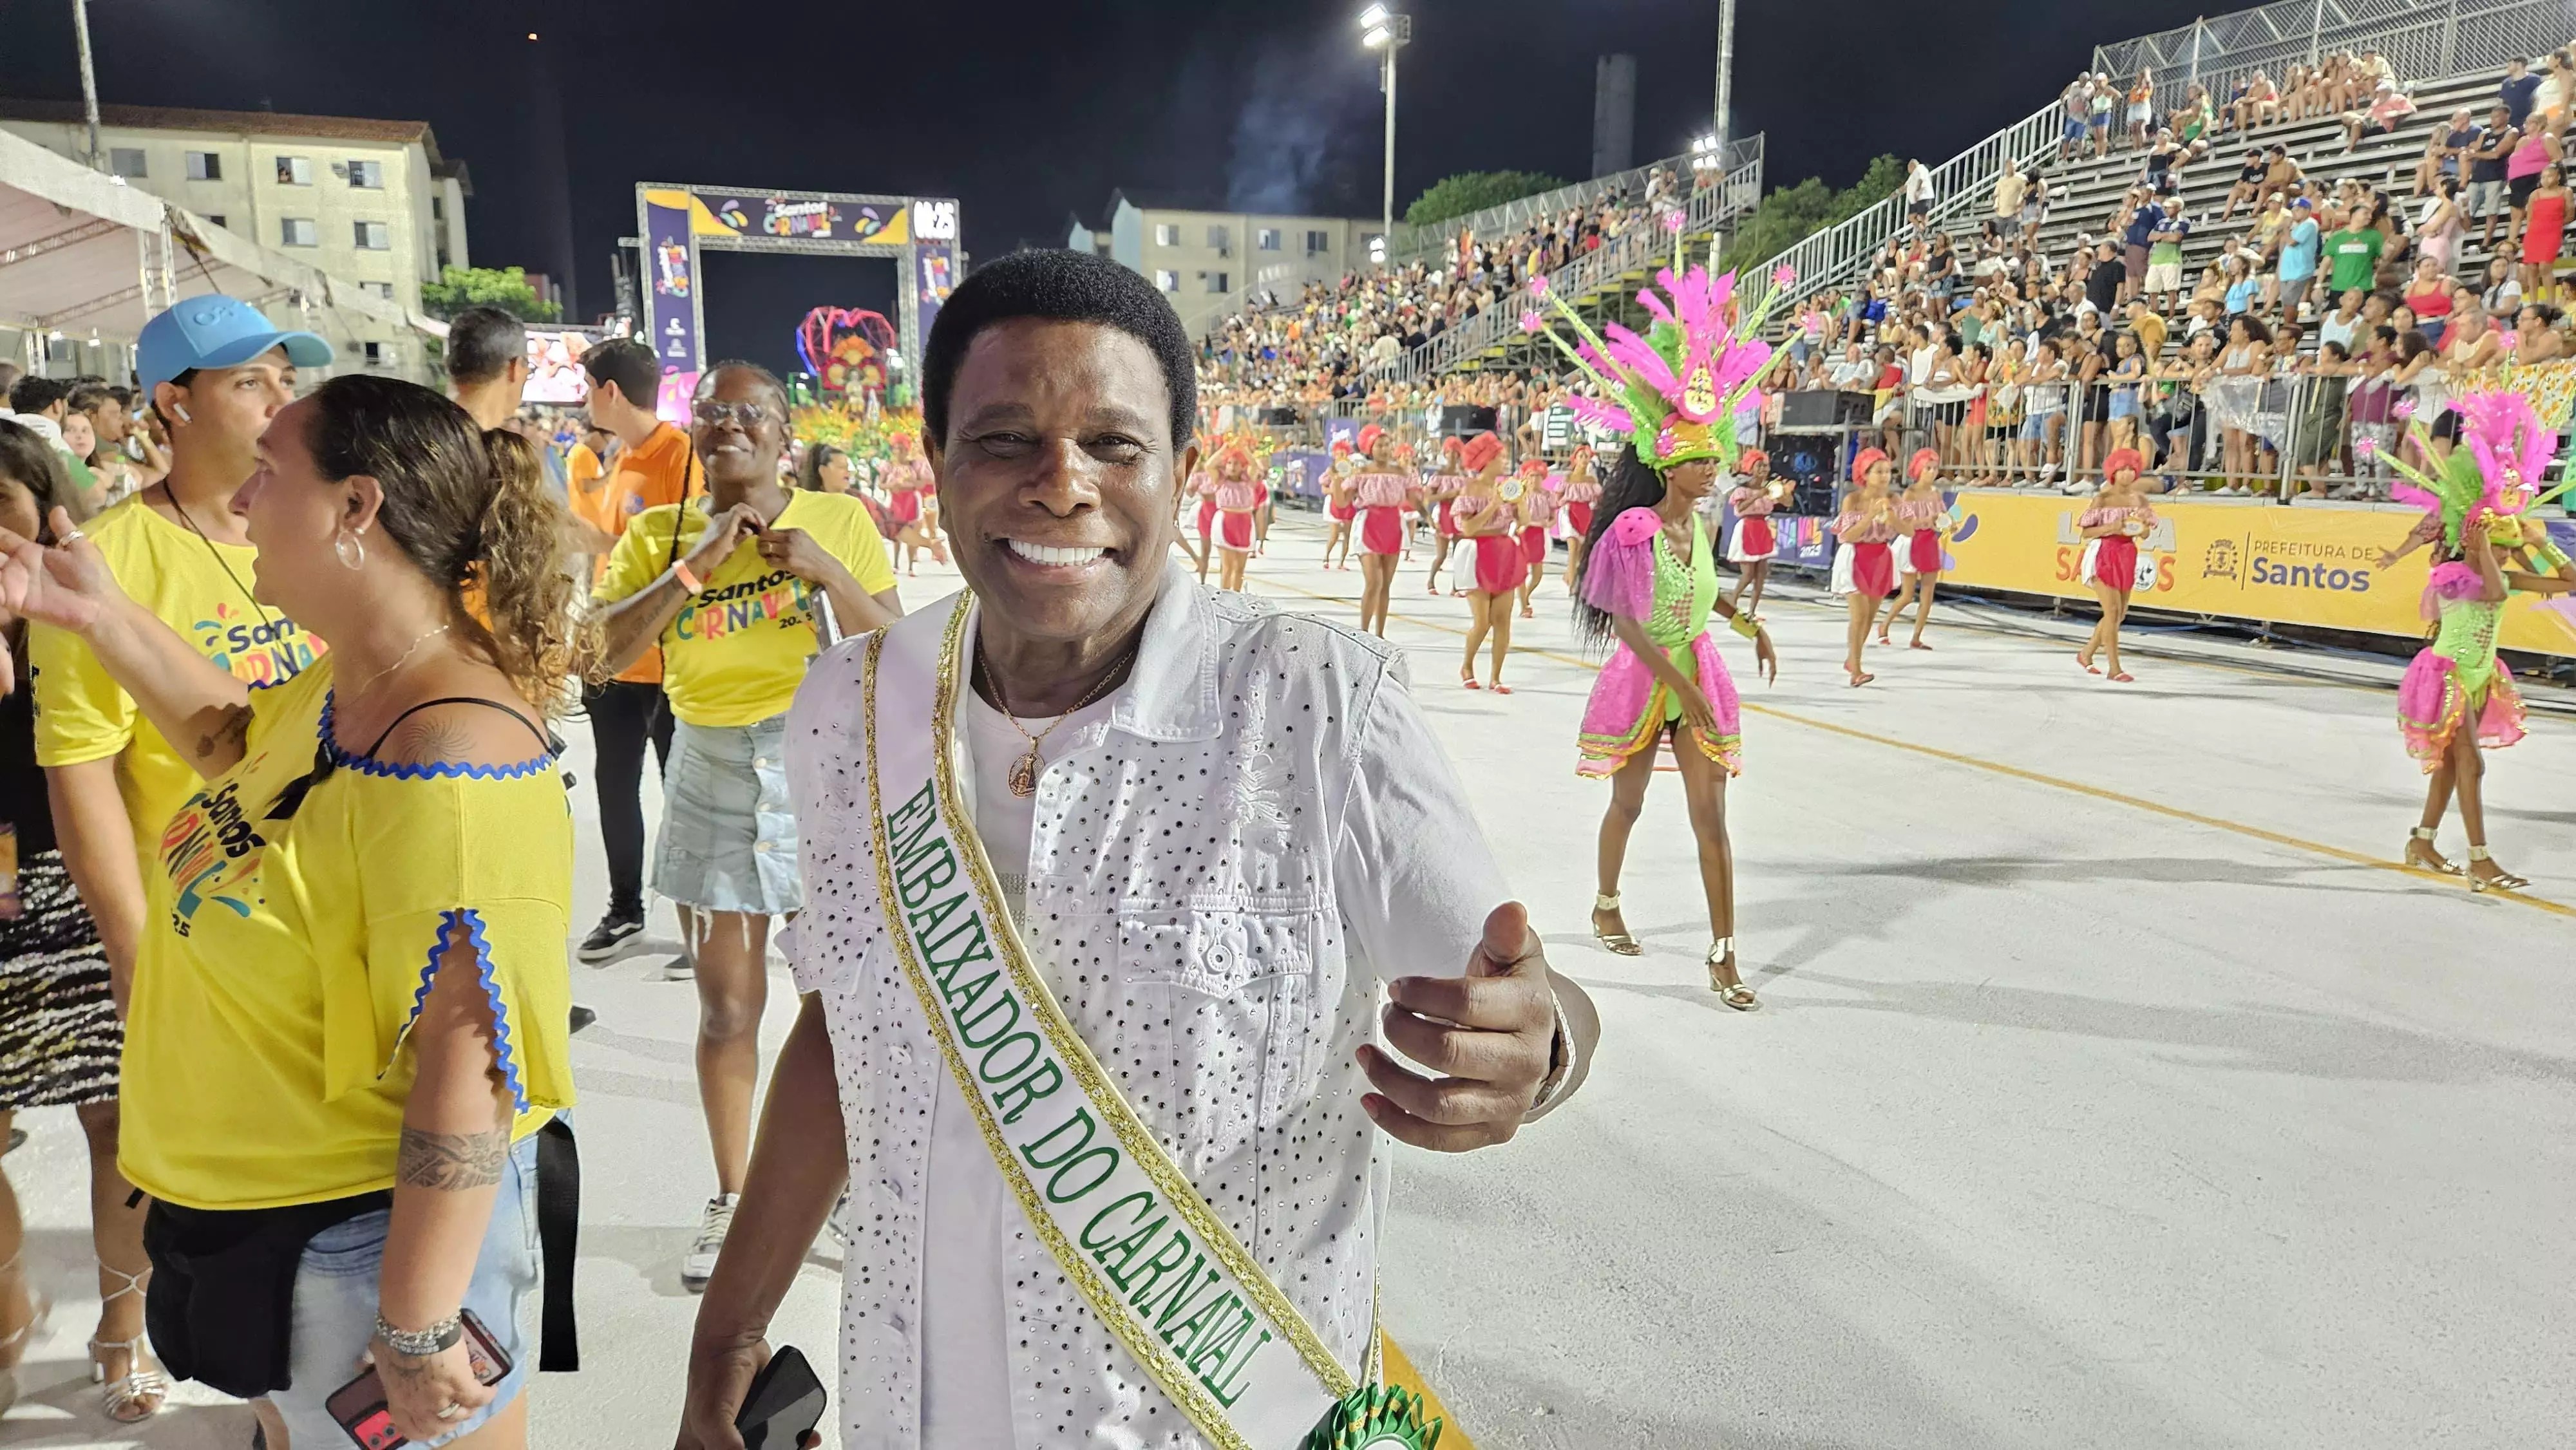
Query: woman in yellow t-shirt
[349, 1012]
[731, 585]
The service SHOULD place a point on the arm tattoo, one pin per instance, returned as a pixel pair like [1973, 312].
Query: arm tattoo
[453, 1162]
[231, 728]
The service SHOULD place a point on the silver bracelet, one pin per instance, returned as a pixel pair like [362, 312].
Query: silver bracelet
[421, 1343]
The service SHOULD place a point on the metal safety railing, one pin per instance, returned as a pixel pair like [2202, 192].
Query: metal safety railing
[2421, 39]
[1412, 244]
[1830, 257]
[2293, 432]
[1642, 244]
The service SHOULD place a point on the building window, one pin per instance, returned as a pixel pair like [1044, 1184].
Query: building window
[126, 161]
[1318, 242]
[205, 166]
[299, 231]
[1169, 281]
[438, 208]
[376, 353]
[369, 175]
[1167, 234]
[381, 289]
[1217, 238]
[375, 237]
[295, 171]
[1267, 239]
[1216, 283]
[218, 219]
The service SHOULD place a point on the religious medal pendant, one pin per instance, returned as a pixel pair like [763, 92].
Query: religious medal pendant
[1375, 1417]
[1024, 774]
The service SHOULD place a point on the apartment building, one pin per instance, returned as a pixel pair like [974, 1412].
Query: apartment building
[1208, 260]
[367, 201]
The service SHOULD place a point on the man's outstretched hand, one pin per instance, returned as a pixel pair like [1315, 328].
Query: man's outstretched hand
[1487, 1033]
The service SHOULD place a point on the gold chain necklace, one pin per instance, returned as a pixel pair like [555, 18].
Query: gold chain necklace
[1024, 771]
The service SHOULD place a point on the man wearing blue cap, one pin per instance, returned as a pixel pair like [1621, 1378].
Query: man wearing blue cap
[216, 371]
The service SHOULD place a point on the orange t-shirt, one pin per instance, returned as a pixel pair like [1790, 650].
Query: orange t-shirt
[661, 470]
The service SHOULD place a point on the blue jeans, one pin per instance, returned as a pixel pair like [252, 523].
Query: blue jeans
[335, 1305]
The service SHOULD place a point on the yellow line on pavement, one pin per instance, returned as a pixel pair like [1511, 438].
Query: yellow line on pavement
[1400, 1371]
[2015, 772]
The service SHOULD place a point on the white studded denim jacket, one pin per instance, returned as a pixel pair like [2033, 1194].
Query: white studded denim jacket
[1221, 875]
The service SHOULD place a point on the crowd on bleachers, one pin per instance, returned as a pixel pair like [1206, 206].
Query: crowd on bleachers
[2351, 286]
[1323, 344]
[2354, 281]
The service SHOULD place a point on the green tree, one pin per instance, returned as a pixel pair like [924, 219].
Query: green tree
[1473, 191]
[507, 288]
[1790, 214]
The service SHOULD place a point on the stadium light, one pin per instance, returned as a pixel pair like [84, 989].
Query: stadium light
[1386, 32]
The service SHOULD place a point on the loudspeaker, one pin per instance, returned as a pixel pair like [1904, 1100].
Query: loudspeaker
[1814, 462]
[1277, 417]
[1824, 408]
[1465, 421]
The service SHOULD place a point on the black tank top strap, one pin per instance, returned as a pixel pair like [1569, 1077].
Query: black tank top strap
[551, 744]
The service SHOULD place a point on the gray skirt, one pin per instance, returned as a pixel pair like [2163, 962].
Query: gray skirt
[728, 838]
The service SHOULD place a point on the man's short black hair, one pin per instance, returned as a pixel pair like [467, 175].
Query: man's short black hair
[1059, 286]
[33, 394]
[627, 363]
[481, 341]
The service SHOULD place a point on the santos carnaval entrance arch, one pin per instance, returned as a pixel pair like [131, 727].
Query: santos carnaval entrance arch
[677, 223]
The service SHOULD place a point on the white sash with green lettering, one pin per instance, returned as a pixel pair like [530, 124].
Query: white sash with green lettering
[1135, 1238]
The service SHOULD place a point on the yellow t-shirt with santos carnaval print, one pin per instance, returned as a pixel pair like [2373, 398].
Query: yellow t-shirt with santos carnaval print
[201, 590]
[737, 652]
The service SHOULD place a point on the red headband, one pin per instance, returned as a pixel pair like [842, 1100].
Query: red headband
[1750, 457]
[1923, 458]
[1479, 451]
[2122, 458]
[1369, 437]
[1869, 458]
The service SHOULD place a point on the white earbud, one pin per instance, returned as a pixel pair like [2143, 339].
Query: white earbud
[182, 410]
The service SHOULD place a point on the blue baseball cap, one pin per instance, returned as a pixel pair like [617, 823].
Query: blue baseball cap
[215, 331]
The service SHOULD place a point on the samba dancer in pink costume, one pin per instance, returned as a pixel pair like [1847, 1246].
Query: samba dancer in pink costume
[1582, 492]
[1202, 490]
[1650, 582]
[1538, 512]
[1754, 540]
[1338, 509]
[1382, 497]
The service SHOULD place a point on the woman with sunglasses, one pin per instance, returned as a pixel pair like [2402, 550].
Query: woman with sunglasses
[349, 1010]
[735, 587]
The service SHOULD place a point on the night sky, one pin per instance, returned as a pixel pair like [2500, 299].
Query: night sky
[1030, 112]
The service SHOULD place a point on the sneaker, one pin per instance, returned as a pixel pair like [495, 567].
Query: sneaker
[610, 937]
[582, 1017]
[682, 968]
[700, 1265]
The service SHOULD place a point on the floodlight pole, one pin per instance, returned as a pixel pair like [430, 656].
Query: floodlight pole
[89, 77]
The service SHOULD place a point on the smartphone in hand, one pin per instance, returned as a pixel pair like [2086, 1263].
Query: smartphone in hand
[783, 1405]
[359, 1406]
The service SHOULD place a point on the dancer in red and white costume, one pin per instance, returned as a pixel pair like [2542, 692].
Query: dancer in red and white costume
[915, 505]
[1922, 522]
[1755, 539]
[1582, 491]
[1441, 491]
[1488, 515]
[1239, 497]
[1866, 526]
[1202, 493]
[1538, 505]
[2119, 518]
[1383, 496]
[1338, 510]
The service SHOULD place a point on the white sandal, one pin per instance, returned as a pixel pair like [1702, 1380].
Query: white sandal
[147, 1387]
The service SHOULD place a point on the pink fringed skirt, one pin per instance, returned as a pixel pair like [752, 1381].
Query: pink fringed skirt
[1630, 706]
[2432, 704]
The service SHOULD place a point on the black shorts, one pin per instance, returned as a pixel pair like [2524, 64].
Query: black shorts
[2097, 403]
[2518, 189]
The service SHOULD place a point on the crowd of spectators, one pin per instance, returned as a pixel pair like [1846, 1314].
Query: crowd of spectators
[1326, 343]
[2289, 357]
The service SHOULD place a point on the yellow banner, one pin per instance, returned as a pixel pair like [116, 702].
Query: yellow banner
[2312, 566]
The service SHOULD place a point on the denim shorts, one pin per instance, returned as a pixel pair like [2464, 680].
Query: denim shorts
[728, 839]
[335, 1305]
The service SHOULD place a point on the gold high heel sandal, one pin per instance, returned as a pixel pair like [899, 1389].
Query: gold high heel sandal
[2424, 835]
[138, 1394]
[1721, 954]
[1617, 943]
[2507, 881]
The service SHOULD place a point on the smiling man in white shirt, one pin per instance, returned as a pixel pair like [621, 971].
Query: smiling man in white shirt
[1106, 872]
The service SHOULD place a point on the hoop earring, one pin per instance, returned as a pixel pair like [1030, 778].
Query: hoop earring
[351, 549]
